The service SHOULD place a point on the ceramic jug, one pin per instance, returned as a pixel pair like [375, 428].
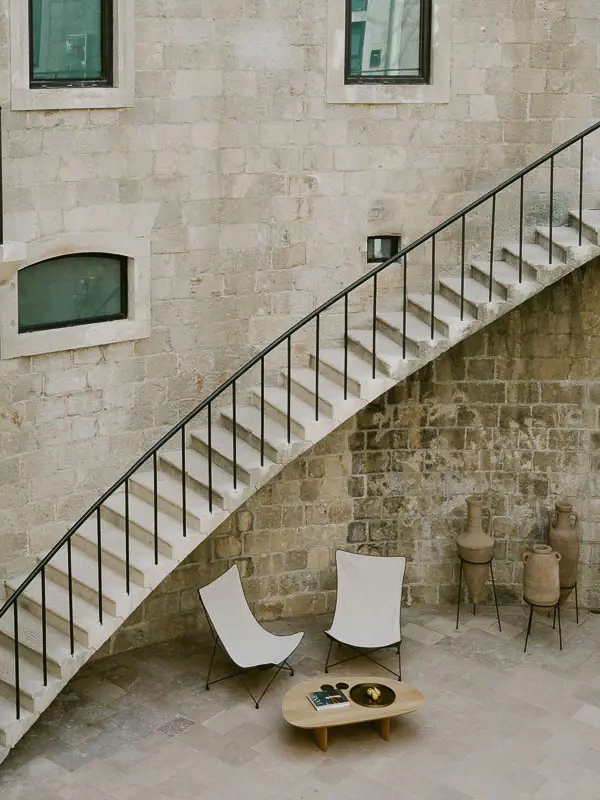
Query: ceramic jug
[475, 547]
[541, 584]
[563, 536]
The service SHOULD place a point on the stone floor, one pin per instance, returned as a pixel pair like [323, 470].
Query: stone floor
[497, 724]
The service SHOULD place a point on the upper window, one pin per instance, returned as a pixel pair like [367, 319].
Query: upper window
[388, 41]
[70, 43]
[72, 290]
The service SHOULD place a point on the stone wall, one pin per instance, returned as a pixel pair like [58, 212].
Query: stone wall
[257, 198]
[513, 413]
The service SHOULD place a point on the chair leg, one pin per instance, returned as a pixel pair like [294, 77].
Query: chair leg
[328, 655]
[277, 671]
[212, 659]
[495, 596]
[559, 628]
[399, 664]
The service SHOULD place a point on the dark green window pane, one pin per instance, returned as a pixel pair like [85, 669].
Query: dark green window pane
[67, 40]
[72, 290]
[385, 39]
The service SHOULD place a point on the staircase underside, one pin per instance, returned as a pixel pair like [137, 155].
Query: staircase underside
[362, 388]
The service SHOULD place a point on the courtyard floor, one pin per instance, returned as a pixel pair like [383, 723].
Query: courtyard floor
[497, 724]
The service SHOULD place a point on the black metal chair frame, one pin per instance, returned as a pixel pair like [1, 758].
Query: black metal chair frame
[556, 608]
[243, 671]
[366, 654]
[460, 574]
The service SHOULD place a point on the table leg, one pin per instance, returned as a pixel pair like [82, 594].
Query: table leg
[384, 728]
[320, 735]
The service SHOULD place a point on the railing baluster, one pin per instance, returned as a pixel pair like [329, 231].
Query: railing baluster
[127, 578]
[183, 486]
[17, 681]
[44, 630]
[262, 412]
[155, 472]
[234, 439]
[492, 247]
[404, 302]
[317, 335]
[551, 227]
[374, 364]
[521, 230]
[581, 193]
[433, 286]
[210, 494]
[462, 267]
[289, 390]
[70, 573]
[99, 549]
[345, 347]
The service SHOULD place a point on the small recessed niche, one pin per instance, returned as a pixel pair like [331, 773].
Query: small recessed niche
[380, 248]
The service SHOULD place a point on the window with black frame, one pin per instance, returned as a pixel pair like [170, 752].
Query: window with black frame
[72, 290]
[70, 43]
[388, 41]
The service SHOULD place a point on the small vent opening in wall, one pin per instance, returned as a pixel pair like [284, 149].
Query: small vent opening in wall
[380, 248]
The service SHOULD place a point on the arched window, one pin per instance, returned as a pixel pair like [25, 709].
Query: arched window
[72, 290]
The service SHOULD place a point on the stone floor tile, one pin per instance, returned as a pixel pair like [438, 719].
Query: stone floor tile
[421, 634]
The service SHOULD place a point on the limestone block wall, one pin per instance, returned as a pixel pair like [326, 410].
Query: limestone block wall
[512, 413]
[256, 197]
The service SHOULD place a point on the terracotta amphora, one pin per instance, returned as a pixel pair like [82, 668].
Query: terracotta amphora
[563, 536]
[541, 584]
[475, 547]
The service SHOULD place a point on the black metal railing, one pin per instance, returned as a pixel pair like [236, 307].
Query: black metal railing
[151, 456]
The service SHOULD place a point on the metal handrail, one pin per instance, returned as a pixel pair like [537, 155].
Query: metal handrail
[151, 453]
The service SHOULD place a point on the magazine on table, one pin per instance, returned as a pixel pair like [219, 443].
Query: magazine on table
[328, 698]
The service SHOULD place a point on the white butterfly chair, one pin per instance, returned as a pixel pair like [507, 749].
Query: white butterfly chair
[237, 633]
[367, 610]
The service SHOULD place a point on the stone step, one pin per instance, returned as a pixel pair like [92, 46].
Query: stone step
[476, 296]
[141, 523]
[248, 459]
[303, 386]
[505, 277]
[85, 615]
[248, 424]
[114, 549]
[85, 580]
[418, 333]
[388, 353]
[360, 377]
[31, 641]
[446, 314]
[535, 256]
[303, 422]
[10, 729]
[591, 224]
[565, 244]
[200, 473]
[31, 680]
[170, 501]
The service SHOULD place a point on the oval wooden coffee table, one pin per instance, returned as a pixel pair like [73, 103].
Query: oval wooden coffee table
[299, 711]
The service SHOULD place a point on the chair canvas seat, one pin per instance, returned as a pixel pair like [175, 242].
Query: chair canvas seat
[369, 598]
[242, 638]
[247, 643]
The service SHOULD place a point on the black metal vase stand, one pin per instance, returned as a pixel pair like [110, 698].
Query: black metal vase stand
[460, 576]
[556, 607]
[576, 602]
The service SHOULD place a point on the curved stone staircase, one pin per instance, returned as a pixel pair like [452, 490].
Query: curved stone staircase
[64, 599]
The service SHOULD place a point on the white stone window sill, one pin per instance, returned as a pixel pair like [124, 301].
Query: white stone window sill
[438, 91]
[79, 97]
